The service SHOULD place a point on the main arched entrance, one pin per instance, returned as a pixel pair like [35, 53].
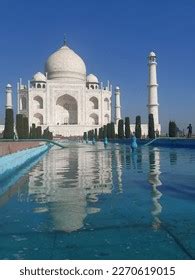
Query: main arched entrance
[66, 110]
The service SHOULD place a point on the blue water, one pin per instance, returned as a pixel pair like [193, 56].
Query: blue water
[91, 202]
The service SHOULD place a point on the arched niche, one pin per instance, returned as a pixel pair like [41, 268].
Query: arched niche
[38, 119]
[106, 118]
[94, 102]
[38, 102]
[106, 104]
[66, 110]
[94, 119]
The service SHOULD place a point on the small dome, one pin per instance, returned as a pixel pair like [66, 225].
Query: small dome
[152, 54]
[92, 79]
[65, 63]
[8, 86]
[117, 88]
[39, 77]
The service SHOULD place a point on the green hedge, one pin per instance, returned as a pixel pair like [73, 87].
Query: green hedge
[151, 132]
[138, 130]
[9, 124]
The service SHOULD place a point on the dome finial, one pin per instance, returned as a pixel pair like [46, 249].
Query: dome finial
[64, 42]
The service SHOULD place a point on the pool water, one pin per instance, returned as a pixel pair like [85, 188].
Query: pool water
[91, 202]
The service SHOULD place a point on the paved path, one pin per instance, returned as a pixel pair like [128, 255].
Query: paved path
[12, 147]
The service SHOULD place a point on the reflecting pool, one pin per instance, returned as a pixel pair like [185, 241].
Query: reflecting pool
[91, 202]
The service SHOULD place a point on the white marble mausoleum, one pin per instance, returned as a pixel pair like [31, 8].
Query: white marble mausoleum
[65, 98]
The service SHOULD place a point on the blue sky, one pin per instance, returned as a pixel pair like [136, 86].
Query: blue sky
[114, 39]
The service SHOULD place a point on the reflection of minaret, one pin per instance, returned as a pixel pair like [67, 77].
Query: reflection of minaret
[154, 180]
[153, 90]
[117, 105]
[118, 163]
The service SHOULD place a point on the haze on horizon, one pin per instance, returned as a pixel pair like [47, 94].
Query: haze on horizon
[114, 39]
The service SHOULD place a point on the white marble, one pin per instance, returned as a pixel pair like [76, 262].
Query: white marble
[153, 90]
[70, 102]
[65, 99]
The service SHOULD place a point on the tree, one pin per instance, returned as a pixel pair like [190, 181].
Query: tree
[109, 130]
[120, 129]
[50, 136]
[96, 137]
[90, 134]
[112, 130]
[138, 130]
[105, 133]
[100, 133]
[19, 125]
[47, 134]
[127, 127]
[9, 124]
[172, 129]
[85, 136]
[25, 127]
[151, 132]
[38, 132]
[33, 131]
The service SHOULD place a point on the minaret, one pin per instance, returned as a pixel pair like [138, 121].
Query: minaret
[153, 90]
[9, 104]
[117, 105]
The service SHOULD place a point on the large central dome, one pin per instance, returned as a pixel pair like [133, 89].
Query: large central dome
[65, 63]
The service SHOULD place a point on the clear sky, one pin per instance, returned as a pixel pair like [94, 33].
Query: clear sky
[114, 39]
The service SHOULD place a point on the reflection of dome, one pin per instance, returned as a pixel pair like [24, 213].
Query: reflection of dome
[39, 77]
[65, 63]
[92, 79]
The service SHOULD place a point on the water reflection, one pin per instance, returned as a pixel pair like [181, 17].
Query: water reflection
[119, 168]
[173, 157]
[65, 183]
[154, 180]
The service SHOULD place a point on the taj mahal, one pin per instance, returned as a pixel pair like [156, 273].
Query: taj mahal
[69, 102]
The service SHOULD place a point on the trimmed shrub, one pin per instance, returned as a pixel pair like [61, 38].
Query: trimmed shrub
[50, 135]
[25, 127]
[19, 125]
[172, 129]
[112, 130]
[138, 129]
[38, 132]
[90, 135]
[9, 124]
[109, 130]
[34, 132]
[127, 127]
[105, 132]
[95, 135]
[100, 133]
[47, 134]
[151, 132]
[85, 136]
[120, 129]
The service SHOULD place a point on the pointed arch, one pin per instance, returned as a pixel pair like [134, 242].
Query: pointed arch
[106, 118]
[38, 102]
[66, 110]
[38, 119]
[106, 104]
[94, 119]
[94, 102]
